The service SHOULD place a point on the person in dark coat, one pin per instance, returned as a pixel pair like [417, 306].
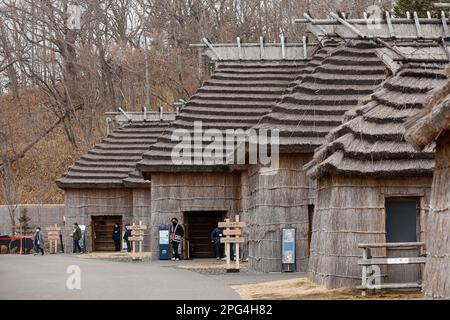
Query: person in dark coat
[76, 236]
[39, 244]
[176, 234]
[216, 234]
[116, 237]
[126, 236]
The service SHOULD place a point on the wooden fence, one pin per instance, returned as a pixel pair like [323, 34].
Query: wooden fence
[367, 261]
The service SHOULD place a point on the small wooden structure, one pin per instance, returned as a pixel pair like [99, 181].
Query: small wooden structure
[53, 233]
[232, 233]
[137, 238]
[432, 126]
[237, 94]
[368, 261]
[103, 182]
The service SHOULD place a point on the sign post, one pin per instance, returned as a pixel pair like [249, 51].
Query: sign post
[53, 237]
[137, 235]
[232, 233]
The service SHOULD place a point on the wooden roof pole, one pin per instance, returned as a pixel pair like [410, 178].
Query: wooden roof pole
[389, 23]
[417, 23]
[322, 29]
[441, 5]
[387, 45]
[444, 24]
[124, 113]
[210, 46]
[348, 25]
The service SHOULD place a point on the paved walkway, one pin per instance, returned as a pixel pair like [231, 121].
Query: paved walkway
[45, 277]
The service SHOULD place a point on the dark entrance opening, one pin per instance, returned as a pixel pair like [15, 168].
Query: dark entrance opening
[198, 228]
[402, 225]
[102, 229]
[310, 226]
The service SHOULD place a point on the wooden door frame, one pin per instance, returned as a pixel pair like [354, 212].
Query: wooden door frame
[186, 224]
[407, 198]
[93, 216]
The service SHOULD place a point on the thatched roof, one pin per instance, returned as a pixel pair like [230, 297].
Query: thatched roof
[371, 141]
[111, 163]
[236, 96]
[342, 77]
[426, 126]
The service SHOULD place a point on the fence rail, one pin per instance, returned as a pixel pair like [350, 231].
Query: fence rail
[367, 261]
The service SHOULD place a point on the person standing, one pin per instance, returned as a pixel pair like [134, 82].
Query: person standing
[76, 236]
[126, 236]
[116, 237]
[39, 244]
[176, 234]
[216, 234]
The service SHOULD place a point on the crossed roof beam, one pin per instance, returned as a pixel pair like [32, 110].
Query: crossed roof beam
[388, 31]
[410, 28]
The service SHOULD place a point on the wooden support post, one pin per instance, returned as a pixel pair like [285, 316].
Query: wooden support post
[364, 274]
[140, 242]
[305, 49]
[237, 247]
[227, 246]
[261, 47]
[238, 40]
[283, 49]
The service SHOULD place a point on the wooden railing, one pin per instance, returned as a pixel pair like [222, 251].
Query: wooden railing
[367, 261]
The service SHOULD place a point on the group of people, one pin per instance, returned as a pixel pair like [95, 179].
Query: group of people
[176, 234]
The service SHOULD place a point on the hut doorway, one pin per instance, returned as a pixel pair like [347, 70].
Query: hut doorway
[402, 225]
[198, 227]
[102, 230]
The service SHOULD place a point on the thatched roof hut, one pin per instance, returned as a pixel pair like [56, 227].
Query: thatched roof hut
[103, 188]
[242, 89]
[340, 76]
[364, 167]
[429, 127]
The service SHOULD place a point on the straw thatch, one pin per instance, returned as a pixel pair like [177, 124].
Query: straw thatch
[342, 77]
[426, 126]
[372, 141]
[433, 124]
[111, 163]
[236, 96]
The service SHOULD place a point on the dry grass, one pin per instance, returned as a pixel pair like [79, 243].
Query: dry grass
[303, 289]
